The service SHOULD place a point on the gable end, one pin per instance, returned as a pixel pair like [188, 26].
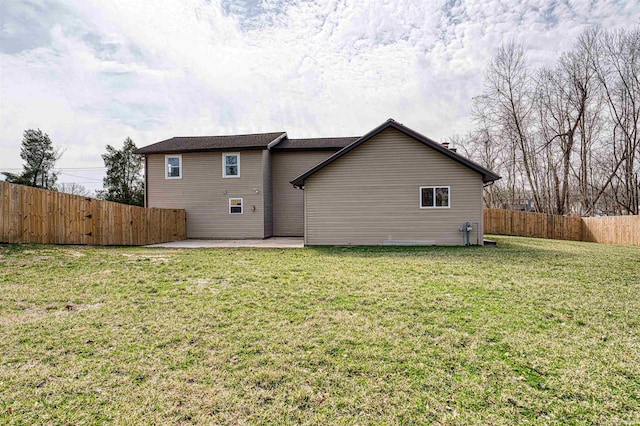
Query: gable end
[487, 175]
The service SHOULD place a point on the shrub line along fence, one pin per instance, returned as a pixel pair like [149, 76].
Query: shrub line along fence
[32, 215]
[622, 230]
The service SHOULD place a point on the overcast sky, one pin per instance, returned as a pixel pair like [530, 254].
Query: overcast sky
[91, 73]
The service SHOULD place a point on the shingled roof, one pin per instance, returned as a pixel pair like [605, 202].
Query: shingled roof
[487, 175]
[315, 143]
[212, 143]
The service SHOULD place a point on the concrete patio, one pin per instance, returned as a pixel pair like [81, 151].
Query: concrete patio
[274, 242]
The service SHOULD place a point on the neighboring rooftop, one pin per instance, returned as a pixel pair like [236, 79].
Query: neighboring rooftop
[212, 143]
[315, 143]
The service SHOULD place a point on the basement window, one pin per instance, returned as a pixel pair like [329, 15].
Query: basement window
[231, 165]
[434, 197]
[235, 205]
[173, 165]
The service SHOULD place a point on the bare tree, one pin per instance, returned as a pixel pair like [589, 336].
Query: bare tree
[506, 107]
[565, 136]
[618, 70]
[482, 146]
[73, 189]
[563, 96]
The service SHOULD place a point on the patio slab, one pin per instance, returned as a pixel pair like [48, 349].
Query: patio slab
[274, 242]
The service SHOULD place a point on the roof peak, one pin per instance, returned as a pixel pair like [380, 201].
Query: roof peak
[487, 175]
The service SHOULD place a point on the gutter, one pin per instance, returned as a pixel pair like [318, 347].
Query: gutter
[186, 151]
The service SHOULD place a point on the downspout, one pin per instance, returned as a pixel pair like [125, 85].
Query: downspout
[268, 173]
[146, 173]
[477, 233]
[304, 213]
[488, 184]
[276, 141]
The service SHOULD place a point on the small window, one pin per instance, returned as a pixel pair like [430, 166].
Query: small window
[434, 197]
[231, 165]
[173, 165]
[235, 205]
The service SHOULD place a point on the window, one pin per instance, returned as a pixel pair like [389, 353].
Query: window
[434, 197]
[173, 166]
[231, 165]
[235, 205]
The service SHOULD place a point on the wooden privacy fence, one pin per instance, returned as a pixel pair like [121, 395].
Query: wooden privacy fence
[538, 225]
[32, 215]
[623, 230]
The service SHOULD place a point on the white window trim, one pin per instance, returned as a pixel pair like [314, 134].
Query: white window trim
[241, 205]
[166, 166]
[434, 197]
[224, 164]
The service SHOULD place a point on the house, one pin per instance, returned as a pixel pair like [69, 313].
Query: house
[391, 186]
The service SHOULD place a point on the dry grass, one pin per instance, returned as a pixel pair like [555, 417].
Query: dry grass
[533, 331]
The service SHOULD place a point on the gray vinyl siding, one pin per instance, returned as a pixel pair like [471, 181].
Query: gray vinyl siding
[288, 202]
[204, 194]
[267, 193]
[371, 196]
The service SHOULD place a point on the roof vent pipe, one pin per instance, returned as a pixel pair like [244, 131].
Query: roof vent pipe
[445, 144]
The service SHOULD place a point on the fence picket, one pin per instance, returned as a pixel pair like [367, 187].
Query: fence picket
[622, 230]
[33, 215]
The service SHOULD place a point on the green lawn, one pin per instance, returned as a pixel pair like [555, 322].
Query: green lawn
[533, 331]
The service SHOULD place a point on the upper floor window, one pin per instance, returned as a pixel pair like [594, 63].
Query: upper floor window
[434, 197]
[231, 165]
[173, 166]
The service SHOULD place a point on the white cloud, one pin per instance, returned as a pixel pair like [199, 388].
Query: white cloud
[95, 72]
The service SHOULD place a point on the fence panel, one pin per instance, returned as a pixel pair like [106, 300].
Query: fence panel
[623, 230]
[32, 215]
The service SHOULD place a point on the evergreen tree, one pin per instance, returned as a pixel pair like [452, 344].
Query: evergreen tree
[40, 158]
[123, 183]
